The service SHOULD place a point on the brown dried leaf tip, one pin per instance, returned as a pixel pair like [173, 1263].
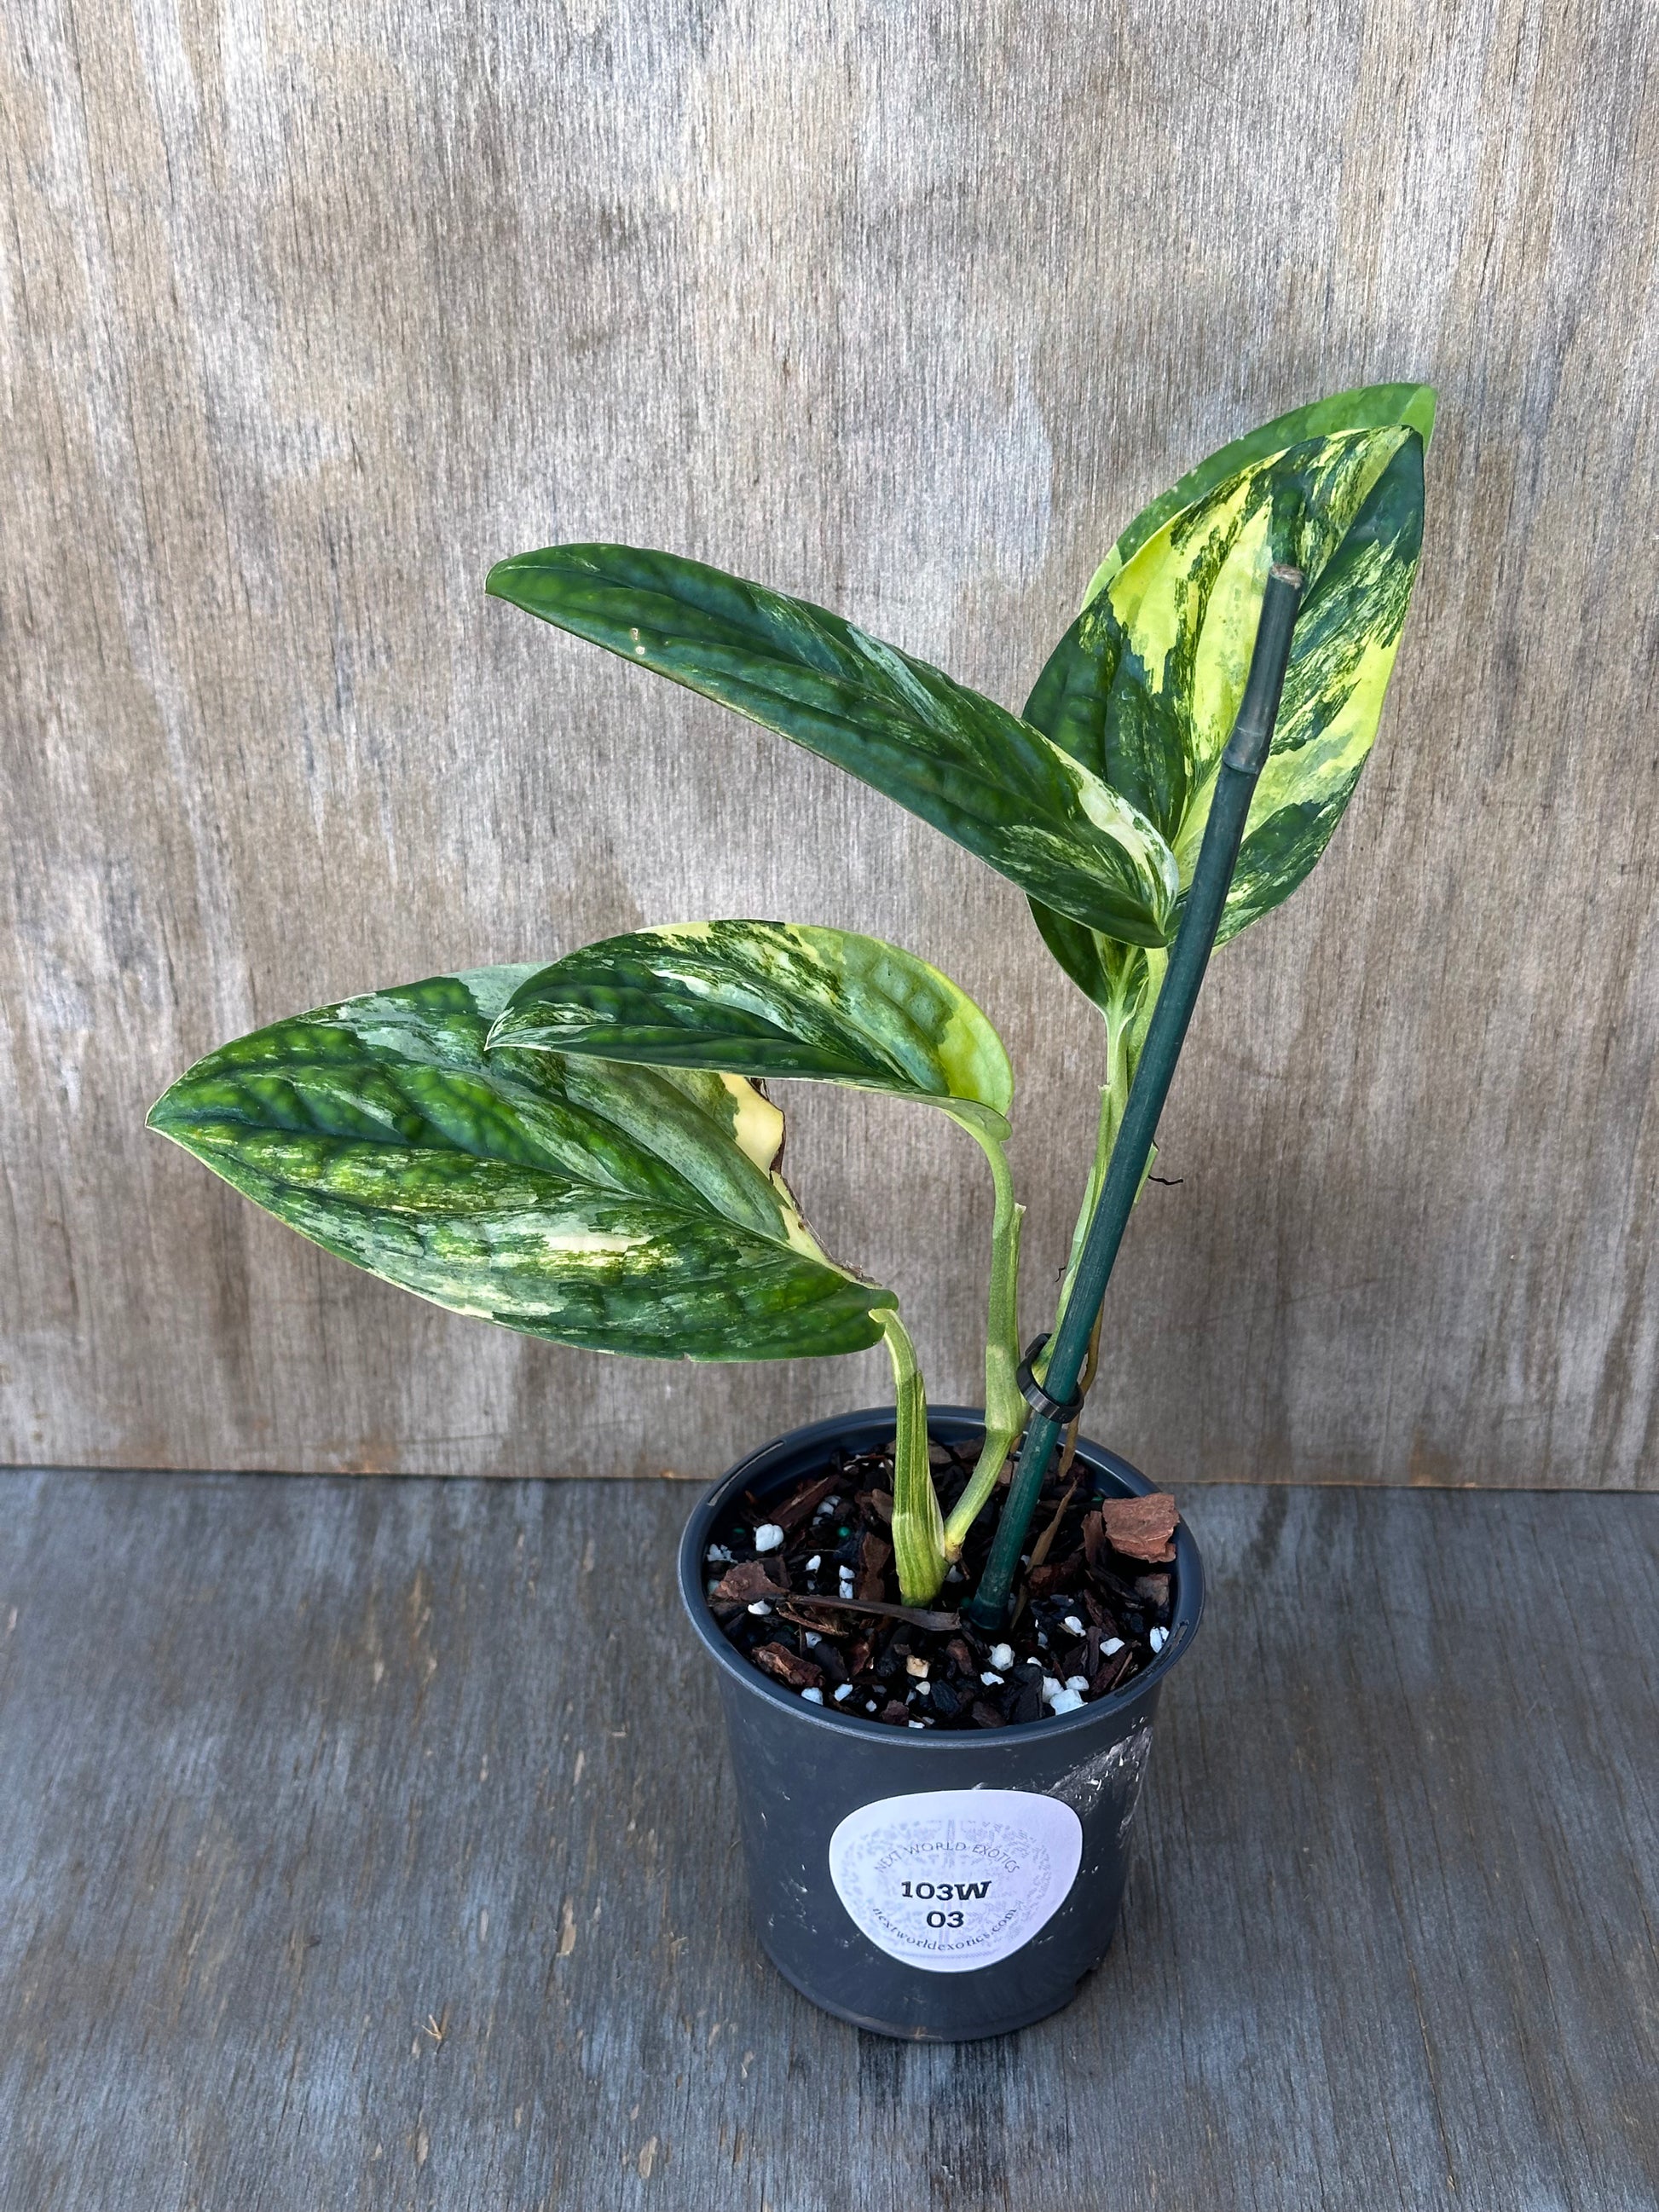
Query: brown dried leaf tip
[1139, 1527]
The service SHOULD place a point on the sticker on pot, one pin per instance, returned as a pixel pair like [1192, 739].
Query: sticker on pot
[950, 1879]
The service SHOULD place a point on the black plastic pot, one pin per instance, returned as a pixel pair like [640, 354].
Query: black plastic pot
[932, 1885]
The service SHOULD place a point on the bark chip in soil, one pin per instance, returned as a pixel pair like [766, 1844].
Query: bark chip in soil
[820, 1612]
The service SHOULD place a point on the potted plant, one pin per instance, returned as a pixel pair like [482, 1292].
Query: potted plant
[940, 1668]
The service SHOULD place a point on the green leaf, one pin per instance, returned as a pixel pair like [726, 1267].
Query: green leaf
[1346, 638]
[992, 782]
[1113, 976]
[770, 998]
[1145, 686]
[627, 1209]
[1369, 407]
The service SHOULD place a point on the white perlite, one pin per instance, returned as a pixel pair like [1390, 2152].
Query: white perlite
[760, 1606]
[1159, 1638]
[1072, 1625]
[813, 1696]
[1066, 1701]
[769, 1536]
[990, 1678]
[1002, 1655]
[1077, 1681]
[843, 1693]
[1111, 1647]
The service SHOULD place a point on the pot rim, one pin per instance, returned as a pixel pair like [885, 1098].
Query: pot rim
[932, 1743]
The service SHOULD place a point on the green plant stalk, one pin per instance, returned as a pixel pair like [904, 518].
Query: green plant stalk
[1126, 1034]
[1004, 1404]
[1113, 1097]
[1085, 1383]
[1241, 766]
[918, 1527]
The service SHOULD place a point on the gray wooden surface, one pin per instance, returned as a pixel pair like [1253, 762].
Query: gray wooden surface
[296, 1771]
[309, 311]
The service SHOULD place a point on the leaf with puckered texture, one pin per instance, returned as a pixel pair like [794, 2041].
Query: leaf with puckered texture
[1144, 687]
[627, 1209]
[992, 782]
[770, 998]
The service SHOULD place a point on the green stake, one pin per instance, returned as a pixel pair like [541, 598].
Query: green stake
[1236, 780]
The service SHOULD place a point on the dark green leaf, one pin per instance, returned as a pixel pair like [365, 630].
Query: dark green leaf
[1346, 638]
[1110, 974]
[959, 761]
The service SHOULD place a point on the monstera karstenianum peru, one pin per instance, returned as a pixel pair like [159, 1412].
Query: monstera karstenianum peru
[583, 1151]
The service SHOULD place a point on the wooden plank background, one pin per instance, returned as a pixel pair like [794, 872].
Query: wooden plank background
[311, 311]
[346, 1758]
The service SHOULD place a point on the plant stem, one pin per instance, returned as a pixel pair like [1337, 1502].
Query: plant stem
[918, 1527]
[1126, 1023]
[1086, 1382]
[1114, 1095]
[1005, 1406]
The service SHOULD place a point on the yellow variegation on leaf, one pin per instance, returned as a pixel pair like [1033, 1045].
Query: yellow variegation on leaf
[771, 998]
[1144, 687]
[626, 1209]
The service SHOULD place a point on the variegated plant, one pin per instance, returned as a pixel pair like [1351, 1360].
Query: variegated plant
[584, 1151]
[759, 999]
[1144, 686]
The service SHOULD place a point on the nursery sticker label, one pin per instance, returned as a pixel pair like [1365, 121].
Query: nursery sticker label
[953, 1879]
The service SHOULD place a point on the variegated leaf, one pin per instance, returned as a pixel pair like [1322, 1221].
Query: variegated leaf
[989, 781]
[769, 998]
[1346, 638]
[1368, 407]
[1145, 686]
[1114, 975]
[627, 1209]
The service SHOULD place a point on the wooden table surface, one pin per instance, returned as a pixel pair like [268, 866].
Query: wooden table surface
[295, 1772]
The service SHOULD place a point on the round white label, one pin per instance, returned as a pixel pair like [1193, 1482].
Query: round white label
[953, 1879]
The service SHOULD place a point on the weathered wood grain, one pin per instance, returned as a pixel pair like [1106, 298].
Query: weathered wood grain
[299, 1769]
[310, 312]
